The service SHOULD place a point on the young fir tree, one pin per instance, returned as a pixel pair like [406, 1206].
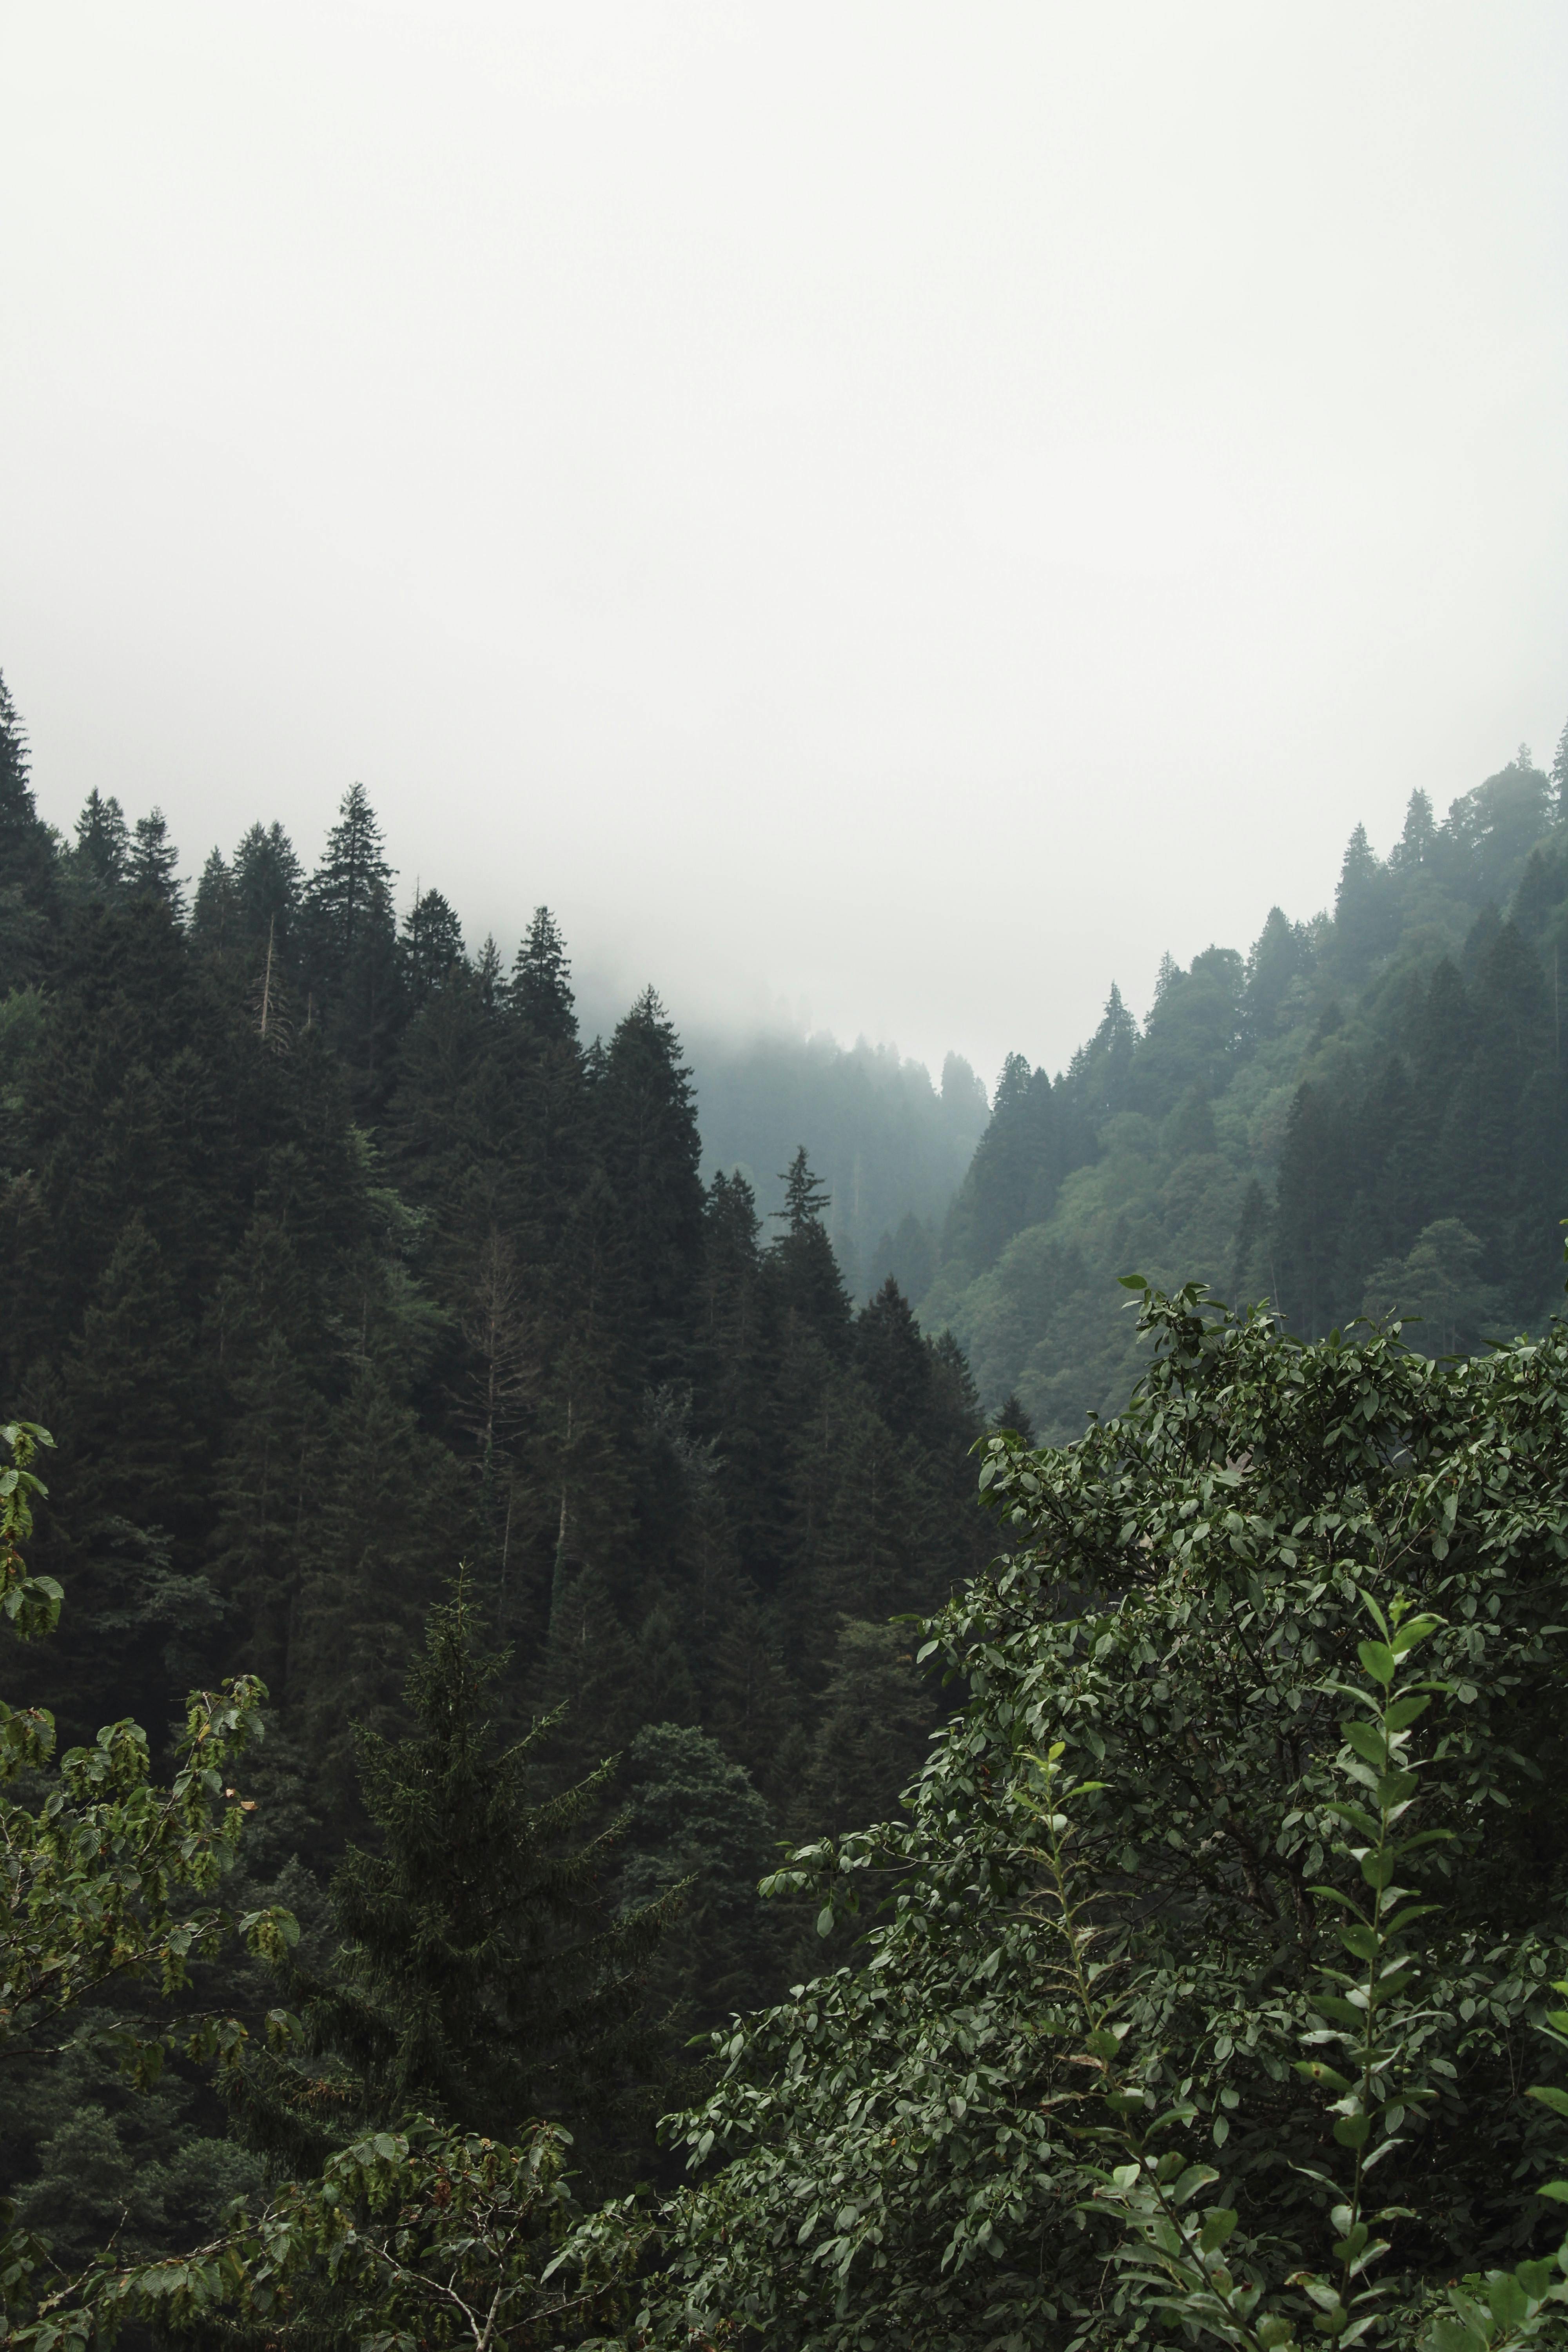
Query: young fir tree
[481, 1979]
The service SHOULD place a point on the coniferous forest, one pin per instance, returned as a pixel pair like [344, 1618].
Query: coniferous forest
[688, 1826]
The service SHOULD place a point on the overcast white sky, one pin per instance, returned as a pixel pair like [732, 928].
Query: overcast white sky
[889, 516]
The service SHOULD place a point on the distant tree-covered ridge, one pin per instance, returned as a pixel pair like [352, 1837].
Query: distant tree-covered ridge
[891, 1149]
[1367, 1113]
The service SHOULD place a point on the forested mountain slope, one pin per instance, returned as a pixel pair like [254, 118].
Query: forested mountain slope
[1367, 1112]
[334, 1255]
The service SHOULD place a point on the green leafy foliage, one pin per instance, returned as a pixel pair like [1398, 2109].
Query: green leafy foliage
[1225, 2010]
[408, 2238]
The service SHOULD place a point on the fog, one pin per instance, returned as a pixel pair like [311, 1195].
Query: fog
[887, 518]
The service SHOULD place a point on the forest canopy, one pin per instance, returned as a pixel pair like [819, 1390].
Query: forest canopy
[1063, 1895]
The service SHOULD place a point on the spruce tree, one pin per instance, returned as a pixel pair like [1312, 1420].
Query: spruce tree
[482, 1978]
[102, 857]
[895, 1359]
[214, 913]
[430, 949]
[351, 944]
[645, 1131]
[697, 1827]
[152, 869]
[804, 1287]
[541, 989]
[268, 889]
[28, 879]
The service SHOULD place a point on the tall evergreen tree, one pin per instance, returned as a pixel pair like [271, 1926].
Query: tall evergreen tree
[430, 948]
[268, 889]
[482, 1978]
[645, 1129]
[351, 943]
[541, 989]
[27, 881]
[151, 867]
[804, 1286]
[1365, 908]
[102, 857]
[212, 916]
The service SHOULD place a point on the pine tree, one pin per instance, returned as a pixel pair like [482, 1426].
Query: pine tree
[482, 1978]
[645, 1129]
[1365, 907]
[269, 891]
[152, 864]
[1560, 774]
[1012, 1416]
[102, 857]
[1277, 974]
[696, 1826]
[1417, 842]
[431, 948]
[804, 1287]
[351, 943]
[1099, 1076]
[213, 916]
[895, 1360]
[27, 881]
[540, 991]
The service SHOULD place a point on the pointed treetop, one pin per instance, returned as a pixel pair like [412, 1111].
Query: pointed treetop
[102, 841]
[268, 880]
[214, 912]
[805, 1197]
[354, 880]
[542, 980]
[432, 945]
[1560, 772]
[152, 870]
[15, 791]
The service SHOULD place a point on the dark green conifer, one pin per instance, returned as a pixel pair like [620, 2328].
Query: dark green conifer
[482, 1978]
[152, 869]
[645, 1132]
[212, 916]
[28, 889]
[102, 857]
[431, 947]
[804, 1287]
[268, 889]
[351, 944]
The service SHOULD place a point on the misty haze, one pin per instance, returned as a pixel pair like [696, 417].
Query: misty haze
[783, 1163]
